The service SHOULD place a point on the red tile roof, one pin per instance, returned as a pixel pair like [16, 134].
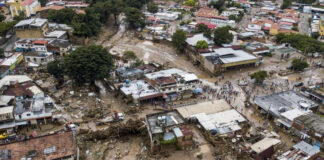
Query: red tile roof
[27, 2]
[40, 42]
[209, 25]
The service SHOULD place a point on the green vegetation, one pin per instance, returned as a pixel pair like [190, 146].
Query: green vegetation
[259, 76]
[315, 35]
[190, 3]
[301, 42]
[179, 40]
[295, 28]
[236, 18]
[55, 68]
[299, 64]
[151, 7]
[134, 17]
[87, 64]
[2, 17]
[129, 55]
[2, 53]
[202, 44]
[233, 4]
[286, 4]
[203, 28]
[222, 35]
[6, 26]
[219, 5]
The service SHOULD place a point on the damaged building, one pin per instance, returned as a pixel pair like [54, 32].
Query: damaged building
[24, 102]
[54, 146]
[168, 128]
[278, 103]
[216, 117]
[222, 59]
[173, 83]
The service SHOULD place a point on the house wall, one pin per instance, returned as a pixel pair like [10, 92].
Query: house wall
[39, 59]
[32, 32]
[300, 127]
[6, 117]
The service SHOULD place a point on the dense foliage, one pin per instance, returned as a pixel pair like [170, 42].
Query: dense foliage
[202, 44]
[203, 28]
[299, 64]
[286, 4]
[301, 42]
[259, 76]
[222, 36]
[87, 64]
[134, 17]
[2, 17]
[179, 40]
[129, 55]
[190, 3]
[55, 68]
[151, 7]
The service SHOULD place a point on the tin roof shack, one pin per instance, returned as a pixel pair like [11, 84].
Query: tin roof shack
[123, 73]
[265, 148]
[140, 90]
[55, 146]
[161, 128]
[310, 127]
[301, 150]
[223, 59]
[281, 102]
[173, 82]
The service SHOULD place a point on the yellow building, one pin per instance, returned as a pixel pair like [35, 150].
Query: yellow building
[321, 26]
[29, 7]
[31, 28]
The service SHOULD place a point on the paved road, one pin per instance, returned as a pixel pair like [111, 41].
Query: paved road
[303, 26]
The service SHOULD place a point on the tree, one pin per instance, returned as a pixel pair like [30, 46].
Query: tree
[259, 76]
[135, 3]
[87, 64]
[202, 44]
[1, 53]
[203, 28]
[64, 15]
[219, 5]
[295, 28]
[222, 35]
[103, 9]
[190, 3]
[55, 68]
[2, 18]
[315, 35]
[134, 17]
[285, 4]
[116, 7]
[179, 40]
[129, 55]
[299, 65]
[20, 17]
[151, 7]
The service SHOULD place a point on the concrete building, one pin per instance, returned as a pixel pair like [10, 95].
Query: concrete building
[310, 127]
[28, 7]
[60, 145]
[6, 114]
[216, 117]
[123, 74]
[223, 59]
[287, 118]
[39, 58]
[278, 103]
[31, 28]
[10, 63]
[265, 148]
[313, 94]
[172, 82]
[163, 128]
[321, 26]
[140, 90]
[59, 47]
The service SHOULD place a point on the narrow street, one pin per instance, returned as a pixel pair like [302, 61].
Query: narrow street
[303, 26]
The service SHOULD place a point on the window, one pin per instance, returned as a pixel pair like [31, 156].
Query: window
[28, 114]
[35, 60]
[50, 150]
[28, 59]
[42, 59]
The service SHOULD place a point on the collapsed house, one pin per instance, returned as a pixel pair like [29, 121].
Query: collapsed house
[168, 128]
[216, 117]
[54, 146]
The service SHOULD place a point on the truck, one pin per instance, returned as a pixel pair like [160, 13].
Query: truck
[115, 117]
